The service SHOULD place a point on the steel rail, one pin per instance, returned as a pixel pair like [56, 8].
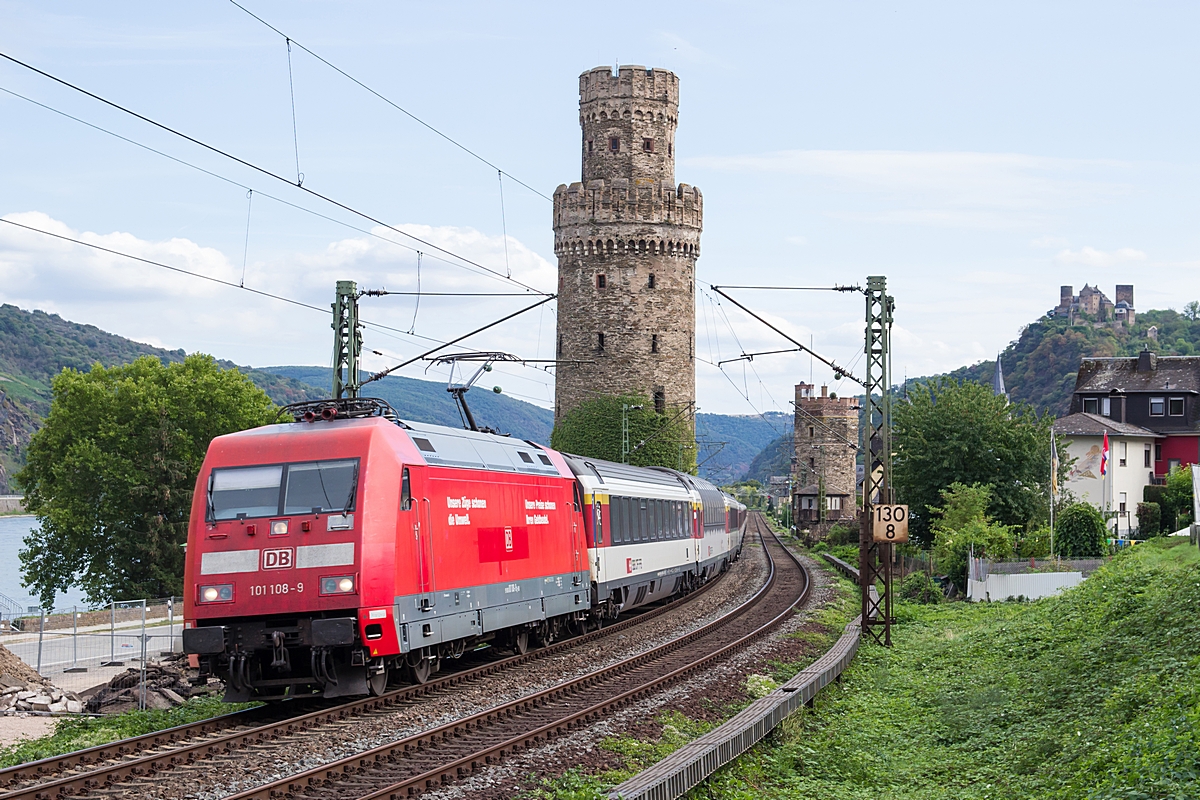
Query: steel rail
[335, 778]
[36, 780]
[691, 764]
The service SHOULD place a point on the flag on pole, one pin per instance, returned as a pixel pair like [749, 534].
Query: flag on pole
[1104, 457]
[1053, 467]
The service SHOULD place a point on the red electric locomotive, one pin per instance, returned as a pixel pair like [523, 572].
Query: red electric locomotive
[326, 554]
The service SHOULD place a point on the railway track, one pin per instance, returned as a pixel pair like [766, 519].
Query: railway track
[412, 765]
[98, 769]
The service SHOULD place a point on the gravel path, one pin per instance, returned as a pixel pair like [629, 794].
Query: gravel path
[713, 697]
[220, 777]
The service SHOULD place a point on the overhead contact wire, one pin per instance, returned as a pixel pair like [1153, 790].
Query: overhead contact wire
[391, 103]
[257, 168]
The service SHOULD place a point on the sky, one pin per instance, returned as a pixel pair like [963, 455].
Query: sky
[978, 156]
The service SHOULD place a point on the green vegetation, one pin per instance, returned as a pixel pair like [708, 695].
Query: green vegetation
[1040, 367]
[78, 733]
[593, 429]
[1174, 501]
[110, 475]
[1092, 695]
[35, 347]
[948, 432]
[963, 526]
[1079, 532]
[774, 459]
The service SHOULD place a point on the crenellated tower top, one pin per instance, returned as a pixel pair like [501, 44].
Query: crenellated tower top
[628, 122]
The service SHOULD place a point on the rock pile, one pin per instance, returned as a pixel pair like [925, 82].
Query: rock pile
[43, 698]
[166, 686]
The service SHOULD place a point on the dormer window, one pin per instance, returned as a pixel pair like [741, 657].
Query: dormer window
[1157, 406]
[1175, 407]
[1106, 406]
[1090, 405]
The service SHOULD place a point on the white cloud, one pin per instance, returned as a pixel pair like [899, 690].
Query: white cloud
[172, 310]
[1049, 242]
[943, 189]
[1091, 257]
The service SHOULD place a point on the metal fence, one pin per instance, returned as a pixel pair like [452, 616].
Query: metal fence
[123, 633]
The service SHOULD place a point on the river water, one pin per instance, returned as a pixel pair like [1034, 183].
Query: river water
[13, 531]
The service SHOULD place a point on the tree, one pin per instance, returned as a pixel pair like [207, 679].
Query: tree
[1079, 532]
[948, 432]
[111, 473]
[1192, 310]
[1177, 499]
[962, 527]
[593, 429]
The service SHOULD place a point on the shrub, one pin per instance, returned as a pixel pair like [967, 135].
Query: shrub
[1149, 519]
[1079, 532]
[840, 534]
[1035, 543]
[963, 527]
[920, 588]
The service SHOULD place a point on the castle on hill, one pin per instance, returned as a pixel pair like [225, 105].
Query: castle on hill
[1092, 305]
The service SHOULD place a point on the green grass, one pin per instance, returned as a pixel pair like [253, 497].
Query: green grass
[78, 733]
[1092, 695]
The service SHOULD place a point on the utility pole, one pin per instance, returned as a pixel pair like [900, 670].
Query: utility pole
[625, 409]
[347, 341]
[875, 558]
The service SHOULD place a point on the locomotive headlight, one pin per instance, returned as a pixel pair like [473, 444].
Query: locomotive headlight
[222, 593]
[279, 527]
[342, 584]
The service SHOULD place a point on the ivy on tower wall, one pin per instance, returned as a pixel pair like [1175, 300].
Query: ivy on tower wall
[593, 429]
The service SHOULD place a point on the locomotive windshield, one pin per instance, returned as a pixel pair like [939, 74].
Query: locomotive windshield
[308, 487]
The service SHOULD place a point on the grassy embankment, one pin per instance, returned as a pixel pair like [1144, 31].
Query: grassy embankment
[1092, 695]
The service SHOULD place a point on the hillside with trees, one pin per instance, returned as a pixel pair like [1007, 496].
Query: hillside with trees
[1040, 366]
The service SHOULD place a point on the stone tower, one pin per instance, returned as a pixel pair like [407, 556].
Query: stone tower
[826, 438]
[627, 239]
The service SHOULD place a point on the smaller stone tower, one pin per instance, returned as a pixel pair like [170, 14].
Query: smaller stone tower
[826, 439]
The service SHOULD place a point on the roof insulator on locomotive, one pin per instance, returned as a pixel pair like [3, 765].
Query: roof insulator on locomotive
[310, 416]
[328, 413]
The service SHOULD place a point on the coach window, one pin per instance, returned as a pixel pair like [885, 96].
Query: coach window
[405, 492]
[1175, 409]
[643, 520]
[1157, 406]
[659, 526]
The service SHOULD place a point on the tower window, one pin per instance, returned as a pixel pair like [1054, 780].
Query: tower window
[651, 280]
[614, 144]
[591, 145]
[812, 432]
[654, 343]
[669, 149]
[600, 342]
[648, 145]
[660, 402]
[601, 282]
[560, 345]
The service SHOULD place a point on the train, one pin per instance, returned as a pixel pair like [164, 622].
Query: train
[349, 548]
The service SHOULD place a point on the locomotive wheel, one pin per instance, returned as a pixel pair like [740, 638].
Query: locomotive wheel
[520, 642]
[420, 672]
[377, 681]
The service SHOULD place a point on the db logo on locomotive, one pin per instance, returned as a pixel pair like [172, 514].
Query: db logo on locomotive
[277, 558]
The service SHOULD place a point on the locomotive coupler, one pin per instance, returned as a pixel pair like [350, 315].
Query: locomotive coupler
[280, 659]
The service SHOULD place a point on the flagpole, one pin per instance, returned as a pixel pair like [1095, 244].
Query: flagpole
[1053, 486]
